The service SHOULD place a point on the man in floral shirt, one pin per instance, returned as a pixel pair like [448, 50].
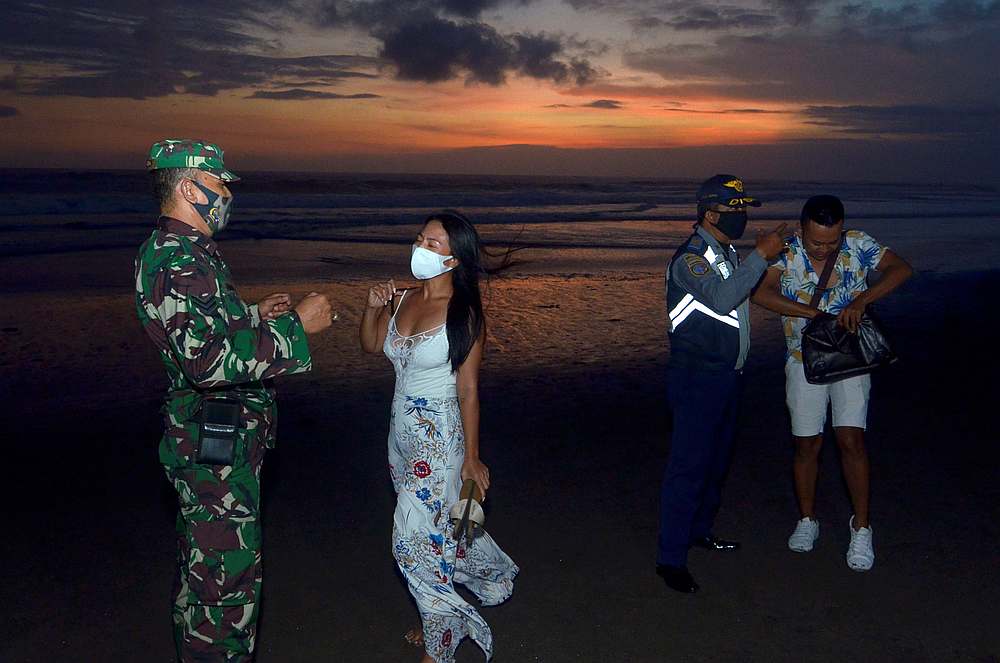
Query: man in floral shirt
[787, 288]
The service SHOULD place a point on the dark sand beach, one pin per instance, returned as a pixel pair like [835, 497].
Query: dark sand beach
[576, 432]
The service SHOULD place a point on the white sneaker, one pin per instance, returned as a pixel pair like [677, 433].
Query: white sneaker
[805, 535]
[860, 554]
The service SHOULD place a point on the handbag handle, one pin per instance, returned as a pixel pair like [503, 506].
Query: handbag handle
[824, 279]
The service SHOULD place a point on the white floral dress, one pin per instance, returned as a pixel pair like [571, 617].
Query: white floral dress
[426, 451]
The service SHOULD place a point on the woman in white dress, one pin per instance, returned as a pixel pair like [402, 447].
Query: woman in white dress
[434, 335]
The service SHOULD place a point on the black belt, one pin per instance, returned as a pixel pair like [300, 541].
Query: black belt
[242, 388]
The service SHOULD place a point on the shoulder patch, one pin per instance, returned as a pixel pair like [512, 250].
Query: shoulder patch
[697, 265]
[696, 242]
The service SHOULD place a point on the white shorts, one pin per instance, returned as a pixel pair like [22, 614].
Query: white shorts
[807, 402]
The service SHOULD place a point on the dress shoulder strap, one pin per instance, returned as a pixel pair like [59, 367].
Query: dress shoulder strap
[395, 308]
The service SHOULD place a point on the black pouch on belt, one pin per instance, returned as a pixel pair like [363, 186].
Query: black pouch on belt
[218, 430]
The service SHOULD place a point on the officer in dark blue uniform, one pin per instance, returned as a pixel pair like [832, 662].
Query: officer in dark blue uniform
[707, 301]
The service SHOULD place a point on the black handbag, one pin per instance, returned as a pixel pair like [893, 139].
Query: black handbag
[830, 352]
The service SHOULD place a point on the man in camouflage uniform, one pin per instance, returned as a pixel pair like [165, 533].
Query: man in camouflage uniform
[213, 344]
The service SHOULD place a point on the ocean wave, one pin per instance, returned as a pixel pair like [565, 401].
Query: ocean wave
[342, 198]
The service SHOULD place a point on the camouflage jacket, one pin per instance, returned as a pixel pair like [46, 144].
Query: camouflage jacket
[207, 336]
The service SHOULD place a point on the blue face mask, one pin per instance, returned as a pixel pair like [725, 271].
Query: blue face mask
[216, 211]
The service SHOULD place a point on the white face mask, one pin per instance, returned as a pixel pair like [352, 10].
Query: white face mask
[426, 264]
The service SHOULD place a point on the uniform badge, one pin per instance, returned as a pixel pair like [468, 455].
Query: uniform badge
[724, 270]
[696, 264]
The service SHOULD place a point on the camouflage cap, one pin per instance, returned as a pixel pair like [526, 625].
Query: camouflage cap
[189, 153]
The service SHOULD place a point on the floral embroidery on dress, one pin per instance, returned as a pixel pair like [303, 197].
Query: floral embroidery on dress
[426, 451]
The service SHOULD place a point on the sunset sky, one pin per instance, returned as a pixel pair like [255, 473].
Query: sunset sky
[783, 88]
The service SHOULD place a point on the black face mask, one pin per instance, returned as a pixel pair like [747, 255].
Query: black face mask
[732, 224]
[216, 211]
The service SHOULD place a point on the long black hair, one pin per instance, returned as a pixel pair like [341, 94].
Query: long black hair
[466, 322]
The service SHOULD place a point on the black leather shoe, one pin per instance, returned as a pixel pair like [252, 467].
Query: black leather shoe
[677, 578]
[712, 543]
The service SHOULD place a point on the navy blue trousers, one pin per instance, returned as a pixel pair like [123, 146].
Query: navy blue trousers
[705, 405]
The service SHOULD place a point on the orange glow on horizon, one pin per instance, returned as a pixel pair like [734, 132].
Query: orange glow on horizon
[406, 118]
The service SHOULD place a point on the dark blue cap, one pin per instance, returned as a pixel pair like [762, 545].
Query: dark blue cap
[725, 190]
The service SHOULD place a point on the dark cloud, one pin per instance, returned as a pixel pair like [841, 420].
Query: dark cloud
[767, 15]
[191, 73]
[439, 40]
[967, 11]
[728, 111]
[116, 83]
[611, 6]
[476, 132]
[917, 21]
[465, 8]
[906, 120]
[375, 13]
[8, 111]
[797, 12]
[125, 49]
[437, 49]
[752, 111]
[606, 104]
[704, 17]
[535, 56]
[307, 83]
[877, 66]
[473, 8]
[132, 50]
[298, 94]
[609, 104]
[585, 47]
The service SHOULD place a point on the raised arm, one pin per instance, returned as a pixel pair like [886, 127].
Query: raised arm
[468, 401]
[894, 272]
[695, 275]
[768, 294]
[724, 295]
[208, 351]
[375, 320]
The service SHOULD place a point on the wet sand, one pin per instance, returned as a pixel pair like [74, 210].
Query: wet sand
[576, 432]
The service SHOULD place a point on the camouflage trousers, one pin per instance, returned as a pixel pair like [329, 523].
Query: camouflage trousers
[218, 582]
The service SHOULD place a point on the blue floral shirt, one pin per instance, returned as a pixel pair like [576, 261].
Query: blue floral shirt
[859, 254]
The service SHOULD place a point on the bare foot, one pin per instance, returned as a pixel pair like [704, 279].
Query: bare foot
[415, 636]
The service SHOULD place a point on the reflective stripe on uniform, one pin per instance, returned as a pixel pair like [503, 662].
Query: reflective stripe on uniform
[689, 304]
[695, 305]
[685, 300]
